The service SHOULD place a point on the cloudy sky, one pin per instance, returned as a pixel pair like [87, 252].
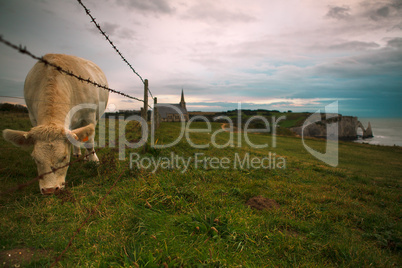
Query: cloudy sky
[297, 55]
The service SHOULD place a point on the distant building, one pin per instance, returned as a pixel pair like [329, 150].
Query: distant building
[170, 112]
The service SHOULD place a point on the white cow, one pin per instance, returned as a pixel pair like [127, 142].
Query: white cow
[50, 97]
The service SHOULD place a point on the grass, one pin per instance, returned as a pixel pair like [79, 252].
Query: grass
[347, 216]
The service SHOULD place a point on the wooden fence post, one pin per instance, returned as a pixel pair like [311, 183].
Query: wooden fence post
[145, 111]
[156, 114]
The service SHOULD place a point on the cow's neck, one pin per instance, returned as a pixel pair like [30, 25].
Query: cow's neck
[55, 105]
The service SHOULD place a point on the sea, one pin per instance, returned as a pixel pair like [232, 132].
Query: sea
[386, 131]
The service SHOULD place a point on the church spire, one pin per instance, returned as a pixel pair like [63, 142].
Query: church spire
[182, 101]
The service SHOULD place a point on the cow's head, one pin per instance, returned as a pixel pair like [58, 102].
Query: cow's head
[51, 151]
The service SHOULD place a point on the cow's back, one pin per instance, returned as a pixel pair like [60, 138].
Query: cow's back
[50, 94]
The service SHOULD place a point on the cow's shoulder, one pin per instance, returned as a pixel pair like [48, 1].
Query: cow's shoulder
[72, 63]
[63, 59]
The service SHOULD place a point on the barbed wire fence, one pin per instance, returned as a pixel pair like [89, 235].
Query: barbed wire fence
[24, 185]
[155, 118]
[97, 25]
[24, 50]
[144, 111]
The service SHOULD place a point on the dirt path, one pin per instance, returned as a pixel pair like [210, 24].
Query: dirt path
[223, 126]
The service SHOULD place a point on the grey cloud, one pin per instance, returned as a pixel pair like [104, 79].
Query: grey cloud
[355, 45]
[378, 11]
[395, 42]
[126, 33]
[369, 15]
[209, 12]
[11, 88]
[282, 103]
[385, 62]
[216, 56]
[397, 26]
[336, 12]
[153, 6]
[129, 101]
[383, 12]
[113, 30]
[110, 28]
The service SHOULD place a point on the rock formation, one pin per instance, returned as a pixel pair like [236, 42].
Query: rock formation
[347, 128]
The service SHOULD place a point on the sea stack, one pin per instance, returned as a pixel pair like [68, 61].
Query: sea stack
[368, 133]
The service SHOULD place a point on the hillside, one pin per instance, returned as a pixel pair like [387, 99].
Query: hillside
[289, 119]
[311, 214]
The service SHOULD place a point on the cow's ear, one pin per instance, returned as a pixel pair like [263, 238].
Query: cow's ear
[82, 134]
[18, 138]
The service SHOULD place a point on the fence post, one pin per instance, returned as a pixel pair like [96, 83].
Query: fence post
[155, 114]
[145, 111]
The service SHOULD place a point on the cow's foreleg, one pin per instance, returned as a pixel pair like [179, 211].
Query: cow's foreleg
[76, 151]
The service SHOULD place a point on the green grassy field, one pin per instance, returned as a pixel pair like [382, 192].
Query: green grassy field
[348, 216]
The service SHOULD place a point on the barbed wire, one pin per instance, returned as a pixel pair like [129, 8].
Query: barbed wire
[97, 25]
[23, 185]
[24, 50]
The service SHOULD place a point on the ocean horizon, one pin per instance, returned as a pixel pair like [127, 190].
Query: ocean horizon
[386, 131]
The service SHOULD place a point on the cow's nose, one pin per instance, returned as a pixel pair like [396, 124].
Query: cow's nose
[48, 191]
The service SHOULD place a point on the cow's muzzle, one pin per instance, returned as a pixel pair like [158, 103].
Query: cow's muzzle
[52, 190]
